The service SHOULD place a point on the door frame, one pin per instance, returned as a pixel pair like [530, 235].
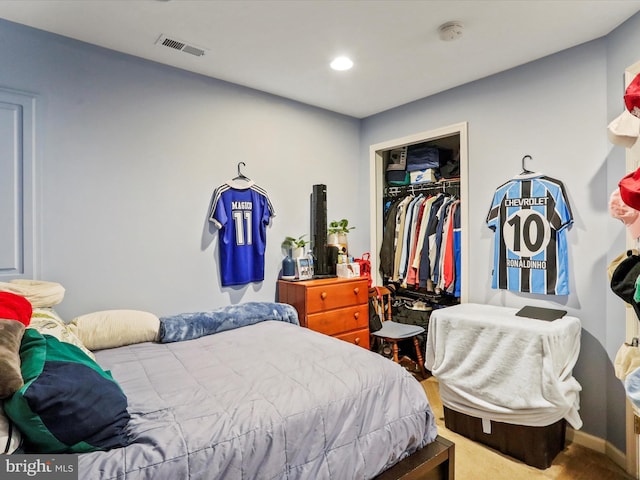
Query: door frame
[376, 191]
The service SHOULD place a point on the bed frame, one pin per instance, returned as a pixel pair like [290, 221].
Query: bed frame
[435, 461]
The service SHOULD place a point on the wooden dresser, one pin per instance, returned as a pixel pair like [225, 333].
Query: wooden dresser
[333, 306]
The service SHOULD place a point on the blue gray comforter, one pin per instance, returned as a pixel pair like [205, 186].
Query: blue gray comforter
[188, 326]
[267, 401]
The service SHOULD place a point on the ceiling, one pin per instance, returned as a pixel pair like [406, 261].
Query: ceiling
[284, 46]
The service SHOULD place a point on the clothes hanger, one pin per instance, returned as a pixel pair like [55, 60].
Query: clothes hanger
[241, 176]
[524, 170]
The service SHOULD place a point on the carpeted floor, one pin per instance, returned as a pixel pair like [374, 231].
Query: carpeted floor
[475, 461]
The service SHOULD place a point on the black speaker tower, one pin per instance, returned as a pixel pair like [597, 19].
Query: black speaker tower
[319, 229]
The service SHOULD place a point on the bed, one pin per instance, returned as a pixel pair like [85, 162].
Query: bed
[267, 400]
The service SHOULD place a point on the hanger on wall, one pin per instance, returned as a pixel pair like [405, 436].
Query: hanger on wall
[524, 170]
[241, 176]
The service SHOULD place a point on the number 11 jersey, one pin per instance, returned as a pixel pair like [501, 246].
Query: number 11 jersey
[530, 215]
[241, 214]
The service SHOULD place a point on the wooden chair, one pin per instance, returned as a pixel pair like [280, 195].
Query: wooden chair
[394, 332]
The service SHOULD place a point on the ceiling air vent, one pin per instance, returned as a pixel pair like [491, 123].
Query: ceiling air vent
[180, 45]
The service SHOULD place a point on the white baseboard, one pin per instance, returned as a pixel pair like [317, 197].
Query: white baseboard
[599, 445]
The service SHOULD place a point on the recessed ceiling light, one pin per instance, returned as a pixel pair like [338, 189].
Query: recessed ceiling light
[341, 63]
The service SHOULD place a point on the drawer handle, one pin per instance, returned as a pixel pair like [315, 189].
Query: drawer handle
[356, 290]
[323, 295]
[357, 341]
[356, 315]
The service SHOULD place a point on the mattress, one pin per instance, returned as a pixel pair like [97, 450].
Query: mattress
[271, 401]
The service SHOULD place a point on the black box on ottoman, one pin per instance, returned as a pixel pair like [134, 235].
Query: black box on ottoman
[535, 446]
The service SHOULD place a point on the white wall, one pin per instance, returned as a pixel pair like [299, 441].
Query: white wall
[553, 109]
[129, 153]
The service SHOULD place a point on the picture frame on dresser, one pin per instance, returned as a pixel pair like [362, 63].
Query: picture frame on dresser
[303, 269]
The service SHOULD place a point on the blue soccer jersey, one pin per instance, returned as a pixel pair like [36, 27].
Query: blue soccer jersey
[530, 215]
[242, 216]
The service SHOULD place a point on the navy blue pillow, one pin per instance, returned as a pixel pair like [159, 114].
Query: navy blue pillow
[68, 404]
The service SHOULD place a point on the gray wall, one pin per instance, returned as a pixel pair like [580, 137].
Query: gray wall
[129, 154]
[556, 110]
[130, 151]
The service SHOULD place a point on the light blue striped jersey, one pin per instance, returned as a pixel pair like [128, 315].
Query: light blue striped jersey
[530, 215]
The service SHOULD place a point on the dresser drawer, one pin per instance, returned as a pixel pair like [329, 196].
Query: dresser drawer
[327, 297]
[338, 321]
[333, 306]
[359, 337]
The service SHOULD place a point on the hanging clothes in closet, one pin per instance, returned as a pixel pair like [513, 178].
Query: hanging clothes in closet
[421, 242]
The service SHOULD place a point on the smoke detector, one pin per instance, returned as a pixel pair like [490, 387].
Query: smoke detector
[450, 31]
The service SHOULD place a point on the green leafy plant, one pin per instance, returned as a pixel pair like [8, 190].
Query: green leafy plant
[291, 242]
[339, 226]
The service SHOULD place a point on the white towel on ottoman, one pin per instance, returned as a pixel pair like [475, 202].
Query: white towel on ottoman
[495, 365]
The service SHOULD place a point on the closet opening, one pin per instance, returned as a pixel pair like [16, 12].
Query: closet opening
[427, 170]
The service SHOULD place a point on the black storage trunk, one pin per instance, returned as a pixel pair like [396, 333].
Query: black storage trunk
[535, 446]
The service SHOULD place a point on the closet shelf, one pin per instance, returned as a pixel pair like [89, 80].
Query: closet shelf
[451, 186]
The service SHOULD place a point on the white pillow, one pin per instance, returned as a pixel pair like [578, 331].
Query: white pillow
[40, 294]
[48, 322]
[115, 328]
[10, 437]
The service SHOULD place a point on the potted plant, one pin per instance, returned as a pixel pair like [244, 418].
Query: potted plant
[337, 232]
[295, 246]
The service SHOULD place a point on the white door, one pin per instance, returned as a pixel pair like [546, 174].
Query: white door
[17, 187]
